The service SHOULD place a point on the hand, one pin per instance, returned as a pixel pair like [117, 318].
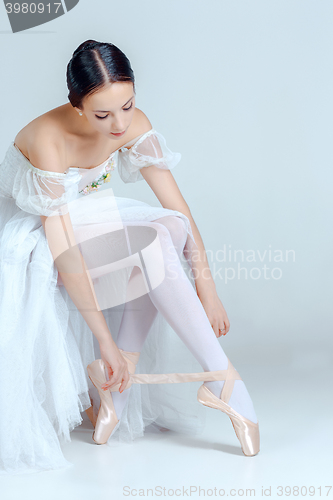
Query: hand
[116, 365]
[215, 311]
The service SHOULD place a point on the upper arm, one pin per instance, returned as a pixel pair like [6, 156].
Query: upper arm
[61, 240]
[46, 153]
[165, 188]
[46, 150]
[161, 181]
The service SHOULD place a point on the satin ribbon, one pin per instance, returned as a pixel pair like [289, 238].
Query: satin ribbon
[176, 378]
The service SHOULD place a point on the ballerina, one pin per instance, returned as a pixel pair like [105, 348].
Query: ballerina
[64, 244]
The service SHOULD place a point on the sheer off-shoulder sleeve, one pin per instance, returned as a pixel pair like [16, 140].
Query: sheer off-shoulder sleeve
[149, 149]
[44, 193]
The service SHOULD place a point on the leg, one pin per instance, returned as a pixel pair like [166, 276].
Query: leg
[177, 301]
[139, 314]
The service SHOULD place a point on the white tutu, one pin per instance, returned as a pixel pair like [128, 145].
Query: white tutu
[45, 344]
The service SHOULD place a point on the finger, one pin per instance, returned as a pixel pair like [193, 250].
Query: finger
[222, 330]
[124, 382]
[216, 330]
[114, 380]
[108, 370]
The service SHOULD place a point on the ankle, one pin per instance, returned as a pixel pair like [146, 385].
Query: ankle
[241, 401]
[119, 401]
[215, 387]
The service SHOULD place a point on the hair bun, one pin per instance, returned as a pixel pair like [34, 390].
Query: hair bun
[88, 44]
[87, 74]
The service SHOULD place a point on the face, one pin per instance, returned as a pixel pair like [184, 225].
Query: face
[110, 110]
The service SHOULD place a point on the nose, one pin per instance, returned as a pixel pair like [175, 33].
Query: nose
[118, 126]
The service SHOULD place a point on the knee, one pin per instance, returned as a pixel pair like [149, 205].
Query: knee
[177, 230]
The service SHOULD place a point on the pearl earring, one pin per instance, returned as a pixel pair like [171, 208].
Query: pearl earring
[80, 113]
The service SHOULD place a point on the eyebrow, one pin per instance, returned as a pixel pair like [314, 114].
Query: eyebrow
[102, 111]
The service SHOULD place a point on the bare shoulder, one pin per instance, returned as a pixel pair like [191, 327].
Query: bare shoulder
[43, 144]
[141, 124]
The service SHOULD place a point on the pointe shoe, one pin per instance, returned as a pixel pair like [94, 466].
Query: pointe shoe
[107, 421]
[246, 431]
[90, 414]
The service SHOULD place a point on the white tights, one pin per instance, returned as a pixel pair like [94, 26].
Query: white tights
[178, 302]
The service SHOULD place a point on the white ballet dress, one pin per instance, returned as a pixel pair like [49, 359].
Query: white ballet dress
[45, 343]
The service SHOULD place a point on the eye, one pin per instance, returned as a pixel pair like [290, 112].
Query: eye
[125, 109]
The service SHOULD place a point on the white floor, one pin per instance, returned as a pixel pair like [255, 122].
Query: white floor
[294, 407]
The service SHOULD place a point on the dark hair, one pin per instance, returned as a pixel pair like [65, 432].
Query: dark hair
[94, 65]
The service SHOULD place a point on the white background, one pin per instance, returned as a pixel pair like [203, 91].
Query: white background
[243, 89]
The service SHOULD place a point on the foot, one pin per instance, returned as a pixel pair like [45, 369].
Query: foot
[119, 401]
[90, 414]
[240, 399]
[246, 431]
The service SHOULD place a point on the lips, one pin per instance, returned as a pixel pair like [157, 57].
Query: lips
[118, 134]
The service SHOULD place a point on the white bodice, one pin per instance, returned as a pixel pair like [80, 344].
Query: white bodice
[43, 192]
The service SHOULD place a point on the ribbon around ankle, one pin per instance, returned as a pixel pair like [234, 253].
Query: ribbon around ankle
[176, 378]
[229, 375]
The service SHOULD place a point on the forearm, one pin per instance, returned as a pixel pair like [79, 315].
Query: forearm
[74, 273]
[202, 274]
[78, 283]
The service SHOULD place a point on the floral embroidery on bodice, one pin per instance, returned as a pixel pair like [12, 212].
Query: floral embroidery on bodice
[104, 176]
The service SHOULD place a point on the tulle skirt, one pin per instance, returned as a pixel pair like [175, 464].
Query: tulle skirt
[46, 345]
